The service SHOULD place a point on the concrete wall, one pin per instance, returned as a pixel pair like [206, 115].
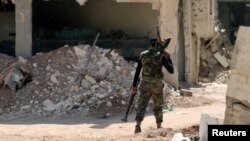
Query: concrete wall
[238, 97]
[7, 25]
[169, 26]
[136, 19]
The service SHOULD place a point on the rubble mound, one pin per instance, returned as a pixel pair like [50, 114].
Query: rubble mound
[84, 78]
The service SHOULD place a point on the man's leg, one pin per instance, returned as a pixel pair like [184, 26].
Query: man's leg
[142, 106]
[158, 103]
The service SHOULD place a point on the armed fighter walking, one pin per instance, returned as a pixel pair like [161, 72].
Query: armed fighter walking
[150, 66]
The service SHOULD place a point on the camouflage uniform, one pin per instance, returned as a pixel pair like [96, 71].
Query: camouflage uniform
[151, 84]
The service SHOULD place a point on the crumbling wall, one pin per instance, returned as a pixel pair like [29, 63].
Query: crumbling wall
[169, 26]
[238, 98]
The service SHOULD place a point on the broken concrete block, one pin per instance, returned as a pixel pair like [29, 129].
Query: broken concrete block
[49, 105]
[184, 92]
[80, 52]
[21, 59]
[180, 137]
[53, 79]
[90, 79]
[206, 120]
[221, 59]
[109, 104]
[85, 84]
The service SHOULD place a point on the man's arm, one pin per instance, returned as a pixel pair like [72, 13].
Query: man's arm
[167, 63]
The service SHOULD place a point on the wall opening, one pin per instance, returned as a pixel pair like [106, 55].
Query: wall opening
[123, 26]
[7, 27]
[233, 15]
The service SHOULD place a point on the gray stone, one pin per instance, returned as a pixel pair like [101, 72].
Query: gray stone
[85, 84]
[25, 107]
[93, 88]
[222, 60]
[184, 92]
[90, 79]
[80, 52]
[79, 98]
[57, 73]
[109, 104]
[49, 105]
[48, 68]
[123, 102]
[180, 137]
[99, 102]
[53, 79]
[92, 100]
[21, 59]
[98, 95]
[34, 65]
[31, 101]
[102, 71]
[206, 120]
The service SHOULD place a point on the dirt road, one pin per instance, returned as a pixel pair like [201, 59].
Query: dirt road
[81, 128]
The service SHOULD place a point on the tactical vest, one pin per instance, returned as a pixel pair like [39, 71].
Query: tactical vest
[151, 63]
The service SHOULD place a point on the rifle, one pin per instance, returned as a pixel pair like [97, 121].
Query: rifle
[131, 100]
[164, 44]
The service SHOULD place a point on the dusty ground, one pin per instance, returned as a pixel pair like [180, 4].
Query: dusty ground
[79, 127]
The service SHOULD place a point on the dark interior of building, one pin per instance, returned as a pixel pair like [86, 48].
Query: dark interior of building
[125, 27]
[233, 15]
[7, 28]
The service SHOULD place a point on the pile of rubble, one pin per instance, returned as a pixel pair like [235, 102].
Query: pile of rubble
[215, 57]
[82, 77]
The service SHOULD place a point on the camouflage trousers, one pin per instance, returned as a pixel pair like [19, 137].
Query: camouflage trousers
[150, 88]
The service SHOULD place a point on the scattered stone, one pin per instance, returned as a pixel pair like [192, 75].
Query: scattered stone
[180, 137]
[85, 84]
[49, 105]
[25, 107]
[35, 65]
[109, 104]
[90, 79]
[21, 59]
[80, 52]
[53, 79]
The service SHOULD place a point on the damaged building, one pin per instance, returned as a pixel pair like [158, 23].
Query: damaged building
[203, 31]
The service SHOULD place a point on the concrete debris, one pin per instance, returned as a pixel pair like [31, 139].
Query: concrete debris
[180, 137]
[80, 52]
[90, 79]
[184, 92]
[15, 76]
[206, 120]
[21, 59]
[64, 79]
[222, 60]
[49, 105]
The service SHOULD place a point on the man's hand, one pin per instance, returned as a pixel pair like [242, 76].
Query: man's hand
[133, 90]
[167, 54]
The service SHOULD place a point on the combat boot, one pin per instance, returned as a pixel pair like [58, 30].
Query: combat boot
[159, 125]
[137, 129]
